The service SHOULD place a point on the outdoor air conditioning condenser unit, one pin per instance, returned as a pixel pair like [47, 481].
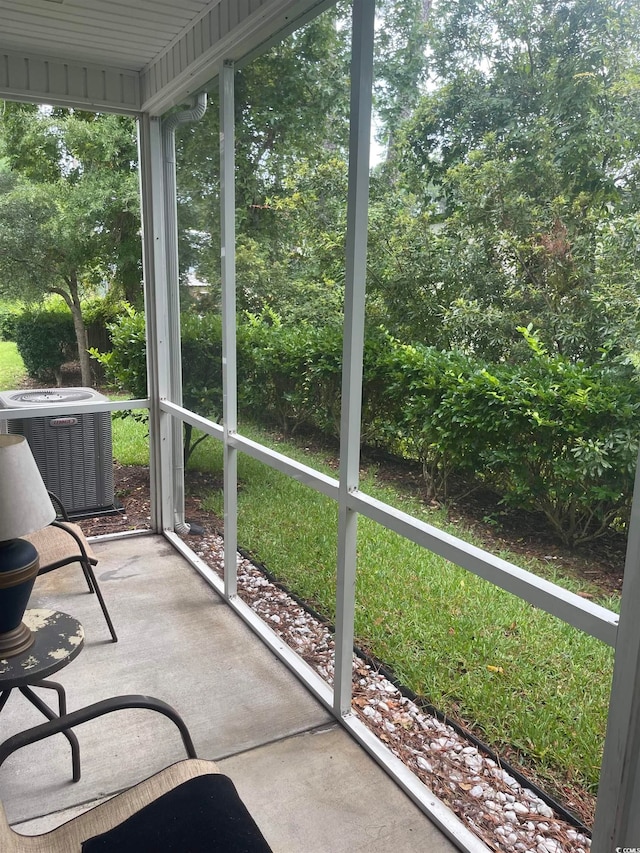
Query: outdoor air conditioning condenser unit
[73, 450]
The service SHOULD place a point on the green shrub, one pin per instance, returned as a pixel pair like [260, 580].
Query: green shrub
[103, 310]
[8, 317]
[99, 313]
[290, 376]
[550, 435]
[202, 364]
[125, 365]
[46, 340]
[45, 334]
[409, 382]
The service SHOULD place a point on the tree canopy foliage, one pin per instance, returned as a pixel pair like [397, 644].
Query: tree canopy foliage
[507, 193]
[69, 220]
[291, 108]
[517, 193]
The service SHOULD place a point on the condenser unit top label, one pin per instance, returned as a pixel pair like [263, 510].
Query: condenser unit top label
[63, 422]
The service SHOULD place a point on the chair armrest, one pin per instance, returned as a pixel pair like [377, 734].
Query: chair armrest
[91, 712]
[78, 539]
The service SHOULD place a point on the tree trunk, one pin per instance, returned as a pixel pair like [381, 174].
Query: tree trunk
[73, 301]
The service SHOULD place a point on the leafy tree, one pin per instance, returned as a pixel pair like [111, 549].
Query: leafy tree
[68, 208]
[522, 149]
[400, 70]
[98, 151]
[291, 127]
[291, 160]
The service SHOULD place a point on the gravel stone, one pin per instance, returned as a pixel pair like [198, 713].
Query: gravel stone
[482, 793]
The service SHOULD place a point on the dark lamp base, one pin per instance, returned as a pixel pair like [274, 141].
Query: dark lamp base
[16, 641]
[19, 564]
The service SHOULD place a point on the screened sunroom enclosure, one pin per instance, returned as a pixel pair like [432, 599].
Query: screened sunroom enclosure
[144, 59]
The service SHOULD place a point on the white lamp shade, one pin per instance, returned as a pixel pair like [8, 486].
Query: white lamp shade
[25, 505]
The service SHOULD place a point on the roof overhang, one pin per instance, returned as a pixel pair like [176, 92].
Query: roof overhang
[131, 56]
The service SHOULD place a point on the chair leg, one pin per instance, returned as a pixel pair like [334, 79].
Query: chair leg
[86, 571]
[89, 570]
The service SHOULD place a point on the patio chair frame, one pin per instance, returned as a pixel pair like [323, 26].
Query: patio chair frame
[79, 554]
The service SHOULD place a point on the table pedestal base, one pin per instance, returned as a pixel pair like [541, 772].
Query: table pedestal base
[51, 715]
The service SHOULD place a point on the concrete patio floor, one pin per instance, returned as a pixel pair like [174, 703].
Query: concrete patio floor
[308, 784]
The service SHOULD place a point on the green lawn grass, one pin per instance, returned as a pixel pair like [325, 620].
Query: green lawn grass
[523, 679]
[130, 440]
[12, 370]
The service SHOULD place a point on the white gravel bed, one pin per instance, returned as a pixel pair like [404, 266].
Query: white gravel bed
[503, 813]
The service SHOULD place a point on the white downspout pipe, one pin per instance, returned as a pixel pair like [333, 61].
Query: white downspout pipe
[169, 126]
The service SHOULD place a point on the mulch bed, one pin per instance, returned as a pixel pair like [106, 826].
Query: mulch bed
[601, 563]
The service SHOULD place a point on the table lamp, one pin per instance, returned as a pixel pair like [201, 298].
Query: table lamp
[25, 507]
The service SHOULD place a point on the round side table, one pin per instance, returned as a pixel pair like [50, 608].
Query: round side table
[58, 639]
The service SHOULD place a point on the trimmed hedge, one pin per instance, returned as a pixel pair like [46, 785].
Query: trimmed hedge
[126, 364]
[45, 335]
[550, 435]
[46, 339]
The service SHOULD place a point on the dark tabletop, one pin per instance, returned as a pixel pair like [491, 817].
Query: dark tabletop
[58, 640]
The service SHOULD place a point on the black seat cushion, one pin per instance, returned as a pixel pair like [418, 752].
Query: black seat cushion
[203, 814]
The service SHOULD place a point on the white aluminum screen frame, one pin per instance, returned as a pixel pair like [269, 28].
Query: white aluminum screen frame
[617, 818]
[571, 608]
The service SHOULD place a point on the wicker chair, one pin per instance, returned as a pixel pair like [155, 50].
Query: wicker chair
[189, 806]
[63, 543]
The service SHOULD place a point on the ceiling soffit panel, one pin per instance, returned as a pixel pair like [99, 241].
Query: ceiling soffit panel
[127, 33]
[73, 84]
[130, 55]
[228, 31]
